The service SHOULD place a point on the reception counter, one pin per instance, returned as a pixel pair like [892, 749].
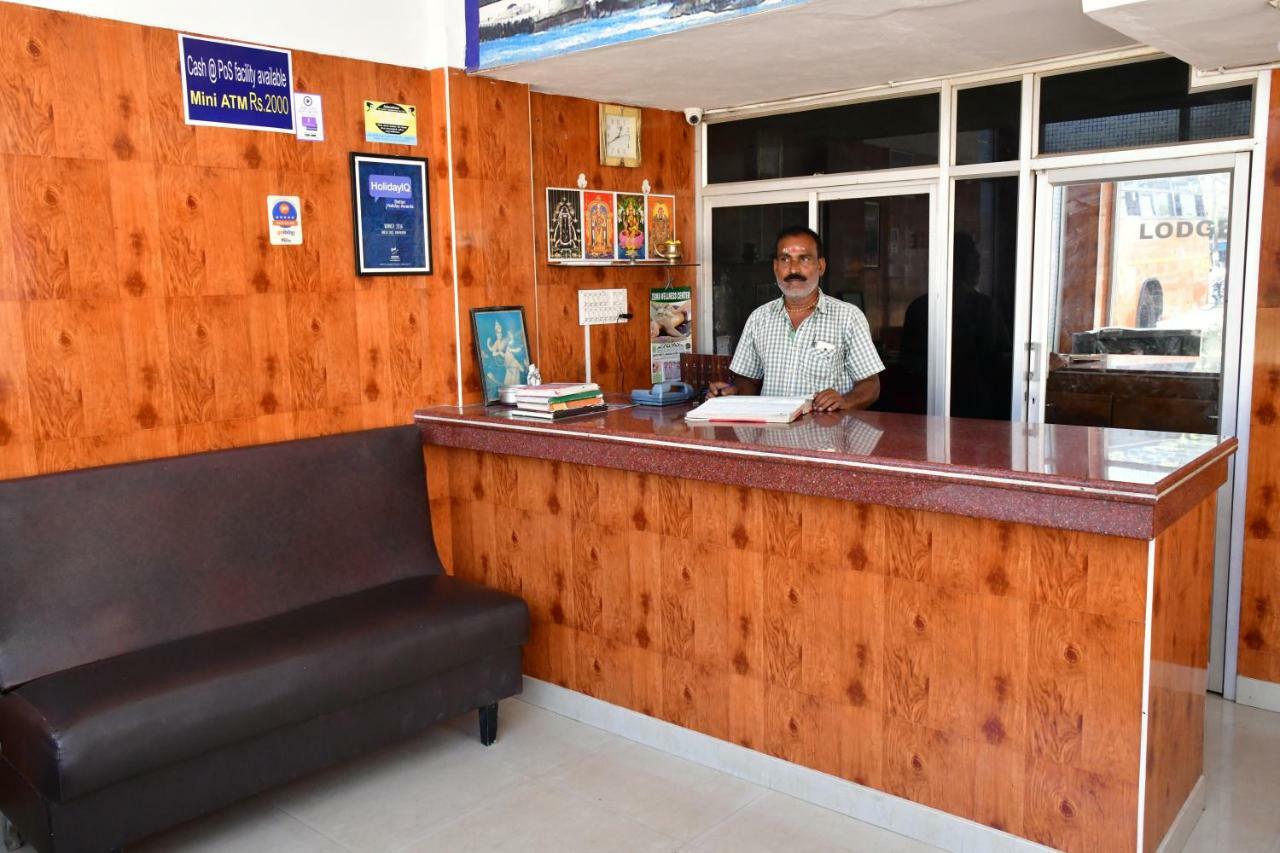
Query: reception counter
[995, 620]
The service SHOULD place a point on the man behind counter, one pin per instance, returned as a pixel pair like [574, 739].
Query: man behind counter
[805, 343]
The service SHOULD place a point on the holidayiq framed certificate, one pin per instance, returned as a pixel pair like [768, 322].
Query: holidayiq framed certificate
[390, 212]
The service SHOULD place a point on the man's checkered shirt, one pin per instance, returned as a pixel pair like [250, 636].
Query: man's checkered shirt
[831, 349]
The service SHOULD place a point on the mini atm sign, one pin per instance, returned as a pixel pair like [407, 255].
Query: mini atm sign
[228, 84]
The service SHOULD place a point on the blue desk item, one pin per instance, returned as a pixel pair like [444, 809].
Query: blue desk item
[663, 394]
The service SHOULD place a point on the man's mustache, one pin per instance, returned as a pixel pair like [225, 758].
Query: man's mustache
[795, 277]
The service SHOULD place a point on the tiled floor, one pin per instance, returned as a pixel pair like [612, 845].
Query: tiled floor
[553, 784]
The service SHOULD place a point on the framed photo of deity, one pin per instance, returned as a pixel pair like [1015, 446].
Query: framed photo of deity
[502, 347]
[599, 230]
[660, 222]
[631, 240]
[564, 224]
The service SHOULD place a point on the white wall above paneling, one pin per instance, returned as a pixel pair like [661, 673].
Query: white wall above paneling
[413, 33]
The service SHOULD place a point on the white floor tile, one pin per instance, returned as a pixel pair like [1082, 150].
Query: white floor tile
[384, 803]
[533, 741]
[669, 794]
[778, 822]
[254, 825]
[543, 817]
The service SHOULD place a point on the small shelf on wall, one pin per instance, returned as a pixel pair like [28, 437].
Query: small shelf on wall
[656, 264]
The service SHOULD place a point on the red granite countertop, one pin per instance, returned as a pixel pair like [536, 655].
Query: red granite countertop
[1119, 482]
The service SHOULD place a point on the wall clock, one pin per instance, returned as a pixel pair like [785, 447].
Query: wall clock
[619, 135]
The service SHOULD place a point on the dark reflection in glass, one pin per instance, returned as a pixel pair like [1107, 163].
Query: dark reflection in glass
[742, 242]
[878, 259]
[1138, 103]
[987, 123]
[982, 297]
[853, 138]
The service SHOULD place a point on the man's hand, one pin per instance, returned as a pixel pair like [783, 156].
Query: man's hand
[720, 389]
[829, 401]
[860, 396]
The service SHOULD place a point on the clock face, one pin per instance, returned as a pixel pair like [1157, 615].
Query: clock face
[620, 136]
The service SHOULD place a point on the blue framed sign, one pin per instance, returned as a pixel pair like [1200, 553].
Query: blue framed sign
[229, 84]
[391, 215]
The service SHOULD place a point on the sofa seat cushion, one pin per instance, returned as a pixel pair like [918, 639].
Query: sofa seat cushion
[82, 729]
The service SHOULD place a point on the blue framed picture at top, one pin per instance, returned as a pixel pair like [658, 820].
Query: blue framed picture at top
[391, 215]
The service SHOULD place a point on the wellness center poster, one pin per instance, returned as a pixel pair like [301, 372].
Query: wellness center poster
[670, 330]
[392, 228]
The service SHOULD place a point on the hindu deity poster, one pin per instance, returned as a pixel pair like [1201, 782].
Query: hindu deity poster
[564, 224]
[597, 217]
[661, 219]
[632, 245]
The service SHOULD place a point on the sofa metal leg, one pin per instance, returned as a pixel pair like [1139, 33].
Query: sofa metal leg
[12, 838]
[489, 724]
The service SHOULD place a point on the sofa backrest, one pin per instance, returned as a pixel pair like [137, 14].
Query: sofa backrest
[103, 561]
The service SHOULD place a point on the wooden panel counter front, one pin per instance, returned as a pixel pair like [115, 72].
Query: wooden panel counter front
[996, 620]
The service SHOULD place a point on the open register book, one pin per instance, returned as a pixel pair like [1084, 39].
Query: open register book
[747, 409]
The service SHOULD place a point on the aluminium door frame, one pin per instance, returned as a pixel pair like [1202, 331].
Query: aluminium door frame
[1236, 363]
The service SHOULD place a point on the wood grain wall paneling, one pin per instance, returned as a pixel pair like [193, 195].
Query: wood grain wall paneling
[494, 208]
[1179, 666]
[1259, 649]
[143, 311]
[566, 143]
[947, 677]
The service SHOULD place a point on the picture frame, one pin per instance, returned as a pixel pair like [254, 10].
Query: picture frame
[630, 236]
[390, 214]
[564, 224]
[501, 346]
[599, 230]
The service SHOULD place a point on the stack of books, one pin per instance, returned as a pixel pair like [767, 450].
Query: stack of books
[558, 400]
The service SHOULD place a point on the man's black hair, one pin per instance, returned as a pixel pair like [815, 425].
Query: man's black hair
[798, 231]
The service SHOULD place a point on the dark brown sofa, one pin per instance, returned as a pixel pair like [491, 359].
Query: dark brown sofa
[178, 634]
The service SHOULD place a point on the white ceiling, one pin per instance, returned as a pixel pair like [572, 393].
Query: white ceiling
[820, 46]
[1208, 35]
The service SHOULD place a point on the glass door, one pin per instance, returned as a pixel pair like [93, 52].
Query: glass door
[1136, 310]
[879, 258]
[878, 250]
[742, 237]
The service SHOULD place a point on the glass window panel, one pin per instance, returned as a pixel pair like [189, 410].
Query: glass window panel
[878, 259]
[1138, 306]
[1135, 104]
[987, 120]
[853, 138]
[742, 241]
[983, 296]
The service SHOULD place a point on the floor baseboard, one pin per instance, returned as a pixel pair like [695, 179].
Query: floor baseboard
[1185, 823]
[1258, 693]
